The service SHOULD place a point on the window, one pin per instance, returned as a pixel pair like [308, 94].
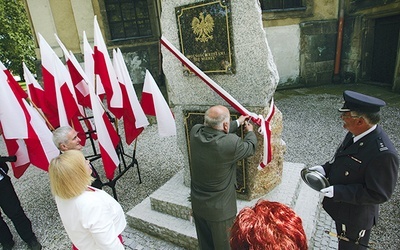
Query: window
[281, 5]
[128, 19]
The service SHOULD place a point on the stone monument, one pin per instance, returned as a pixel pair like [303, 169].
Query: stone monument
[246, 71]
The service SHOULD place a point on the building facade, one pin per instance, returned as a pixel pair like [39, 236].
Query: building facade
[340, 41]
[132, 26]
[313, 41]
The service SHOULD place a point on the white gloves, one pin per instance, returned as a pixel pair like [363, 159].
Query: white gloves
[327, 192]
[319, 169]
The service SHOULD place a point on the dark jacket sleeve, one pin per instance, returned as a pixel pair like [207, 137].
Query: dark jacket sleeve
[4, 167]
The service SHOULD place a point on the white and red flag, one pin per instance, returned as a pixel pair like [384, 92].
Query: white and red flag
[59, 91]
[77, 76]
[107, 136]
[79, 81]
[17, 147]
[25, 133]
[154, 104]
[134, 118]
[33, 88]
[13, 83]
[106, 74]
[49, 84]
[88, 56]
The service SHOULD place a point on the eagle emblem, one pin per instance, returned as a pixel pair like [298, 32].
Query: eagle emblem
[203, 27]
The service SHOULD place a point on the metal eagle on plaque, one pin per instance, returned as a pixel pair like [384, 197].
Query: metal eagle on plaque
[203, 27]
[205, 30]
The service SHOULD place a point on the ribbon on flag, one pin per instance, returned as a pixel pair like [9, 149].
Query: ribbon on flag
[265, 130]
[264, 123]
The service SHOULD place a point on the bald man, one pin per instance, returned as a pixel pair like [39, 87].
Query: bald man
[215, 150]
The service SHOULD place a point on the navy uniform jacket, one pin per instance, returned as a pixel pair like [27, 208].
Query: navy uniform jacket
[363, 175]
[214, 155]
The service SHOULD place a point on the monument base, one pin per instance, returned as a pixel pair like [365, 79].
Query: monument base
[261, 182]
[166, 213]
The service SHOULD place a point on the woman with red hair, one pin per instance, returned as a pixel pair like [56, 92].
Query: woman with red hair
[268, 225]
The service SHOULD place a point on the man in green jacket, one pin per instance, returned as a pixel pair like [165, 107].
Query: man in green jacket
[214, 152]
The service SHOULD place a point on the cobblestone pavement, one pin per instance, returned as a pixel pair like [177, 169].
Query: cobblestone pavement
[312, 131]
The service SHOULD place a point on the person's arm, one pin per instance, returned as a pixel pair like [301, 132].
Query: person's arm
[3, 167]
[242, 119]
[234, 125]
[246, 147]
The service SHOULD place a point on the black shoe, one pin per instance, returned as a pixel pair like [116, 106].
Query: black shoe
[8, 246]
[34, 245]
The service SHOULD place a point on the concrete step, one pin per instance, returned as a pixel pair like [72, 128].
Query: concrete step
[166, 227]
[166, 212]
[173, 198]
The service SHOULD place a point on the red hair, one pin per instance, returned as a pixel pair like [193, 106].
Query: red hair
[268, 225]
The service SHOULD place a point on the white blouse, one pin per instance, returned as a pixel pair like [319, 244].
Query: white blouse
[92, 220]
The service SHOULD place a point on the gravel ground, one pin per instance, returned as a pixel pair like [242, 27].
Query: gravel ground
[312, 131]
[158, 161]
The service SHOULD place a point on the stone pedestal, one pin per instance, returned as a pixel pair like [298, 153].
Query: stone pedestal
[252, 84]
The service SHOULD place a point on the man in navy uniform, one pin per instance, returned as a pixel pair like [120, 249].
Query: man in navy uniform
[362, 173]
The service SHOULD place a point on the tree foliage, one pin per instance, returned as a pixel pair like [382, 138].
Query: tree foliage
[16, 40]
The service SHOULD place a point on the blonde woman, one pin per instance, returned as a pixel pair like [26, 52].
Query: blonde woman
[92, 218]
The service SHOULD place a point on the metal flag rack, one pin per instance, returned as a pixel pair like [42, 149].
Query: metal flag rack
[126, 161]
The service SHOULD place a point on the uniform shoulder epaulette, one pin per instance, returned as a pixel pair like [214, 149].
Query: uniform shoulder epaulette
[381, 144]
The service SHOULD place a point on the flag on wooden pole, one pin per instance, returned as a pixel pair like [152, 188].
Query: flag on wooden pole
[88, 55]
[134, 118]
[13, 83]
[106, 75]
[33, 88]
[25, 132]
[108, 138]
[77, 76]
[60, 91]
[154, 104]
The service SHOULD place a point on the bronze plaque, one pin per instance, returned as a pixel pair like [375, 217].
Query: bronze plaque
[205, 35]
[191, 118]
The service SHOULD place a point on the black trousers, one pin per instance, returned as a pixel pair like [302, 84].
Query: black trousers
[352, 234]
[213, 235]
[11, 206]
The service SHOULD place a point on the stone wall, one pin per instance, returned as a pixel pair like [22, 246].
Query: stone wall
[317, 51]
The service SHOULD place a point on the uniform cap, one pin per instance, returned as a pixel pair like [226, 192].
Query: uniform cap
[354, 101]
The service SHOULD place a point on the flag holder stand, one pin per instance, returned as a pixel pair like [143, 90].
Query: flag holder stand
[123, 166]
